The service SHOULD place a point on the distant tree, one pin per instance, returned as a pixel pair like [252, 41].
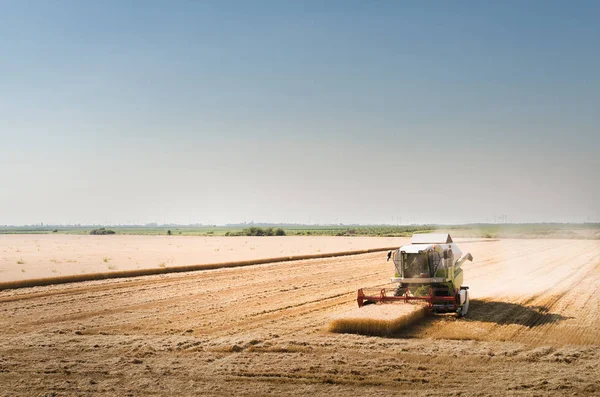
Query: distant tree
[259, 231]
[102, 231]
[168, 232]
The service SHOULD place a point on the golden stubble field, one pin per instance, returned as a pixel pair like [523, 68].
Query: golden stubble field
[533, 329]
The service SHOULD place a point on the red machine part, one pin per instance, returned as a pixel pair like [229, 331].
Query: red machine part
[383, 296]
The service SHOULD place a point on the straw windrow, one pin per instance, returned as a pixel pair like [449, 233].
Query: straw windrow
[381, 320]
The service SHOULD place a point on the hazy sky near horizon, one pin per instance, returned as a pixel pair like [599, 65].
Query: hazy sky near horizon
[309, 111]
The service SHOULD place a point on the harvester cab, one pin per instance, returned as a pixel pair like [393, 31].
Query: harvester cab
[429, 269]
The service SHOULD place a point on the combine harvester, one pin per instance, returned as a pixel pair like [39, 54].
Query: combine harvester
[429, 277]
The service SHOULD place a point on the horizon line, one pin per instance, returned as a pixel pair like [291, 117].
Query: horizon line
[201, 225]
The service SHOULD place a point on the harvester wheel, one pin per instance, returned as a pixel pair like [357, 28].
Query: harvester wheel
[399, 290]
[465, 307]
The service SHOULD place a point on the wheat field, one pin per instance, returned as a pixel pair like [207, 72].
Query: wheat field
[533, 328]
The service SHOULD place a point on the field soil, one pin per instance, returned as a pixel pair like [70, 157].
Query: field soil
[533, 329]
[26, 256]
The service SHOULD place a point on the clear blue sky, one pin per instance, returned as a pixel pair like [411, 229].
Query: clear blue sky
[323, 111]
